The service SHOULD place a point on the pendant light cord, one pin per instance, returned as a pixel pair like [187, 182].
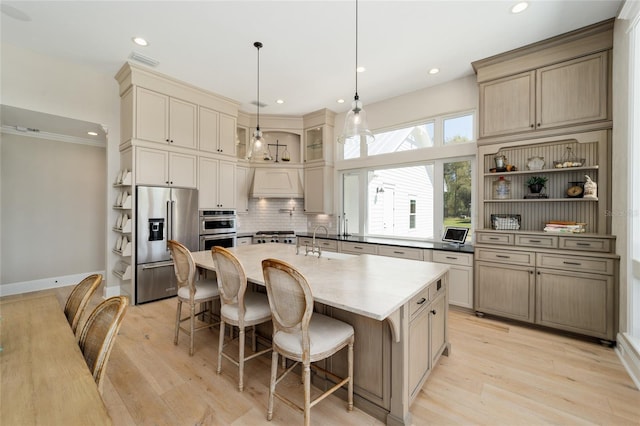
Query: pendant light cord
[356, 97]
[258, 45]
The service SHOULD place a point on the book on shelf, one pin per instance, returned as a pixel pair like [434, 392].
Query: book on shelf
[570, 227]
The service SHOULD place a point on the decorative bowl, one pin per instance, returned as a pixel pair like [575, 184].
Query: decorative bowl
[577, 162]
[535, 163]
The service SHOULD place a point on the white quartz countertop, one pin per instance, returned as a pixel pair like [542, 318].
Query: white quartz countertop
[368, 285]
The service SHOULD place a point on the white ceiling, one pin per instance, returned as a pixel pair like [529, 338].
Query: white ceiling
[308, 58]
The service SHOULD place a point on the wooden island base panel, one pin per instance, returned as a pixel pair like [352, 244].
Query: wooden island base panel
[398, 308]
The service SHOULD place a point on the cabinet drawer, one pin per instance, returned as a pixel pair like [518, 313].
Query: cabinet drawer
[492, 238]
[330, 245]
[502, 256]
[358, 248]
[419, 301]
[575, 263]
[587, 244]
[452, 258]
[402, 252]
[550, 241]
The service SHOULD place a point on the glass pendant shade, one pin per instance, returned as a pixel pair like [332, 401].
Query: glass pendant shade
[257, 143]
[355, 124]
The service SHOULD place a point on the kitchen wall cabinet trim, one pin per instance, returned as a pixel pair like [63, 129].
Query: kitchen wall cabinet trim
[581, 42]
[243, 183]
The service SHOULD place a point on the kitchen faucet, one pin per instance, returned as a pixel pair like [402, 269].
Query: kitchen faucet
[315, 248]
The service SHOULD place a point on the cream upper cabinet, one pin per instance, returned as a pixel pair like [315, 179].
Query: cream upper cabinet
[217, 183]
[159, 167]
[318, 189]
[216, 132]
[318, 138]
[166, 120]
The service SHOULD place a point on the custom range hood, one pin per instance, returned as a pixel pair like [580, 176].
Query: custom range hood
[276, 183]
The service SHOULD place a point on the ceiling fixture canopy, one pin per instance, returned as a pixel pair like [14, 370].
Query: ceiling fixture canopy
[257, 141]
[355, 123]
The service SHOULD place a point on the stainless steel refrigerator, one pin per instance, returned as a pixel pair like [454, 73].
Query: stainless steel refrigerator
[162, 214]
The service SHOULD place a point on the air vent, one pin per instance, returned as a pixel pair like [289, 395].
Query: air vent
[143, 59]
[262, 104]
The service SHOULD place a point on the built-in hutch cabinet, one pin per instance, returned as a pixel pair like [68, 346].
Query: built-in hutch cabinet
[545, 111]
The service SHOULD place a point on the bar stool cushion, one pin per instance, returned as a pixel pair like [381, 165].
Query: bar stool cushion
[256, 308]
[205, 289]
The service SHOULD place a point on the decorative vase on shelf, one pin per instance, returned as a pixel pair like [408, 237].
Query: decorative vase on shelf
[501, 189]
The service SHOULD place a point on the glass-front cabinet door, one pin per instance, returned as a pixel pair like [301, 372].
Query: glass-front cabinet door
[314, 144]
[242, 140]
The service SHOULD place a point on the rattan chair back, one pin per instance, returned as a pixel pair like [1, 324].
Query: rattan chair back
[184, 266]
[290, 299]
[79, 298]
[232, 279]
[99, 333]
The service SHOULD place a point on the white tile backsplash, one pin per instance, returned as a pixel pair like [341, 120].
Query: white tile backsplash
[275, 214]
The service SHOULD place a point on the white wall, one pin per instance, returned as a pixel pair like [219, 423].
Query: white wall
[50, 85]
[53, 208]
[453, 96]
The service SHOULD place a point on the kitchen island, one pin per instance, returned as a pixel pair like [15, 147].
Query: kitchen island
[398, 308]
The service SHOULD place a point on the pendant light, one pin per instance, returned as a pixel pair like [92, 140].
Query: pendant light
[355, 123]
[257, 141]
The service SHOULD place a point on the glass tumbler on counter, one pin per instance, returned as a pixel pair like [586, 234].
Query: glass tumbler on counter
[501, 189]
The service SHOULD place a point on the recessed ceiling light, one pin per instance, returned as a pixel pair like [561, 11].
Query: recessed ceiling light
[340, 101]
[361, 69]
[140, 41]
[519, 7]
[434, 71]
[279, 101]
[92, 133]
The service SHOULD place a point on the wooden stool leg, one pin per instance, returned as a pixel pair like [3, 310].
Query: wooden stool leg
[241, 358]
[307, 394]
[350, 386]
[178, 312]
[272, 383]
[192, 321]
[220, 347]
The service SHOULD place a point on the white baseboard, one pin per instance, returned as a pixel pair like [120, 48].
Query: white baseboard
[47, 283]
[629, 355]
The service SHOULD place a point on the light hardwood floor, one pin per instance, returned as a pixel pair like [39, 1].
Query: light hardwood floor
[498, 373]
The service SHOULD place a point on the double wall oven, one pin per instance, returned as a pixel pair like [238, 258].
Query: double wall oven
[217, 228]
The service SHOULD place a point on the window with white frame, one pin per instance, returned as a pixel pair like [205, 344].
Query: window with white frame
[413, 199]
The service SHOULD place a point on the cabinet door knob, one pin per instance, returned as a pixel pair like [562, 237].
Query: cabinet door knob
[166, 140]
[532, 126]
[433, 311]
[538, 124]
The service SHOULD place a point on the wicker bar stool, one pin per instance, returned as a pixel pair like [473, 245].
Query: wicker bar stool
[191, 292]
[301, 335]
[238, 308]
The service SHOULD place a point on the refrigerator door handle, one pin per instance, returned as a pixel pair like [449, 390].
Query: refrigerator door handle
[158, 265]
[169, 225]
